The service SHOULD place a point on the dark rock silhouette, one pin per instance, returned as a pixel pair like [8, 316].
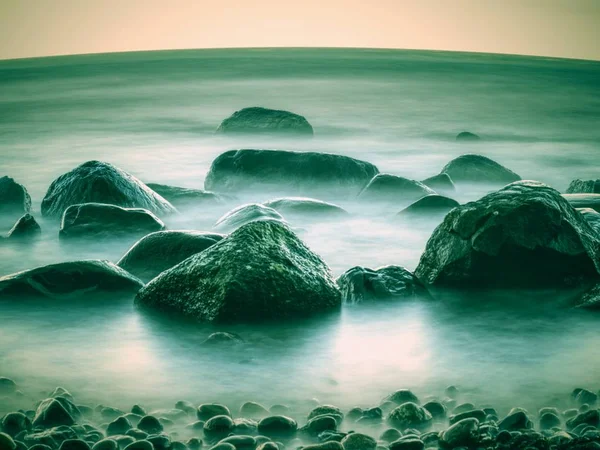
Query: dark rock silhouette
[263, 120]
[479, 169]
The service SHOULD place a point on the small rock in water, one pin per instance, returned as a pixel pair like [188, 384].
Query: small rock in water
[140, 445]
[240, 442]
[278, 427]
[218, 427]
[14, 198]
[403, 396]
[119, 426]
[393, 189]
[74, 444]
[591, 417]
[431, 206]
[441, 183]
[6, 442]
[585, 396]
[584, 187]
[14, 423]
[515, 421]
[54, 412]
[253, 410]
[255, 119]
[185, 406]
[221, 337]
[186, 197]
[358, 441]
[150, 425]
[407, 443]
[323, 410]
[409, 415]
[209, 410]
[106, 444]
[244, 214]
[436, 409]
[300, 208]
[478, 169]
[464, 433]
[26, 227]
[467, 136]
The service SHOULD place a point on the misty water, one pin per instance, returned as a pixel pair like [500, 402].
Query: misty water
[154, 115]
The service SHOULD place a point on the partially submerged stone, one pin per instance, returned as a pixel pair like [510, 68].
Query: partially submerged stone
[188, 197]
[25, 228]
[584, 187]
[478, 169]
[14, 198]
[440, 183]
[256, 119]
[245, 214]
[429, 207]
[310, 174]
[98, 220]
[261, 271]
[100, 182]
[69, 279]
[162, 250]
[388, 188]
[467, 136]
[524, 235]
[409, 415]
[361, 284]
[306, 208]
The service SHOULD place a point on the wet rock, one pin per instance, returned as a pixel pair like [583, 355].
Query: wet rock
[100, 182]
[98, 220]
[14, 198]
[209, 410]
[592, 217]
[244, 214]
[244, 426]
[218, 427]
[162, 250]
[582, 201]
[318, 424]
[253, 410]
[358, 441]
[407, 443]
[278, 427]
[160, 441]
[259, 120]
[261, 271]
[7, 386]
[467, 136]
[474, 169]
[194, 444]
[431, 206]
[69, 279]
[150, 425]
[584, 187]
[137, 409]
[186, 407]
[390, 435]
[451, 392]
[268, 446]
[240, 442]
[223, 446]
[361, 284]
[549, 420]
[25, 228]
[332, 445]
[110, 413]
[106, 444]
[440, 183]
[14, 423]
[181, 197]
[61, 392]
[524, 235]
[409, 415]
[300, 208]
[310, 174]
[221, 338]
[140, 445]
[403, 396]
[515, 421]
[6, 442]
[281, 410]
[391, 188]
[591, 417]
[464, 433]
[52, 437]
[585, 396]
[54, 412]
[463, 407]
[323, 410]
[118, 426]
[74, 444]
[436, 409]
[137, 434]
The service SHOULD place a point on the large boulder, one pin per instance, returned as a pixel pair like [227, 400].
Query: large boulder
[255, 120]
[584, 200]
[181, 197]
[391, 188]
[361, 284]
[430, 206]
[69, 279]
[479, 169]
[584, 187]
[524, 235]
[14, 198]
[261, 271]
[100, 182]
[306, 208]
[25, 227]
[289, 173]
[162, 250]
[101, 220]
[245, 214]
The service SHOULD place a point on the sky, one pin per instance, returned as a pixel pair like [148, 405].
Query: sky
[558, 28]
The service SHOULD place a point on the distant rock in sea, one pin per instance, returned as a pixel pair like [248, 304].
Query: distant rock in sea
[256, 119]
[430, 206]
[441, 183]
[584, 187]
[26, 227]
[467, 136]
[14, 198]
[100, 182]
[478, 169]
[393, 189]
[244, 214]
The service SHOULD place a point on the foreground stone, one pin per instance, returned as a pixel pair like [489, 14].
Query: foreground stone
[584, 187]
[100, 182]
[14, 198]
[524, 235]
[69, 279]
[25, 228]
[182, 197]
[469, 169]
[245, 214]
[298, 208]
[391, 188]
[162, 250]
[361, 284]
[261, 271]
[289, 173]
[263, 120]
[107, 221]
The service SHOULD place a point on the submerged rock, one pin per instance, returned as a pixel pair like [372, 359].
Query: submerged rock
[440, 183]
[409, 415]
[100, 182]
[584, 187]
[26, 227]
[180, 196]
[391, 188]
[464, 433]
[303, 208]
[289, 173]
[261, 271]
[69, 279]
[100, 220]
[245, 214]
[162, 250]
[479, 169]
[209, 410]
[358, 441]
[278, 427]
[584, 201]
[54, 412]
[467, 136]
[222, 338]
[430, 206]
[263, 120]
[14, 198]
[524, 235]
[390, 282]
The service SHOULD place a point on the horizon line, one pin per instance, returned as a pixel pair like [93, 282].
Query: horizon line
[66, 55]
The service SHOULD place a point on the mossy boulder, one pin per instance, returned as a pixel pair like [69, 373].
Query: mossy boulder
[69, 279]
[310, 174]
[260, 271]
[259, 120]
[101, 182]
[361, 284]
[478, 169]
[524, 235]
[162, 250]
